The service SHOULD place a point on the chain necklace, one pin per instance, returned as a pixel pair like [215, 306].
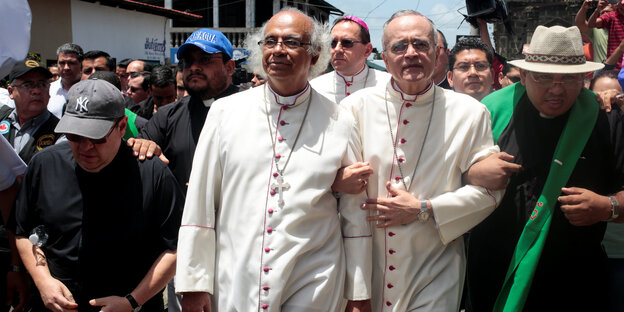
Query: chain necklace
[280, 186]
[394, 143]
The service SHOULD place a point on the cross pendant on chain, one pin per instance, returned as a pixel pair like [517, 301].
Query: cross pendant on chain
[280, 187]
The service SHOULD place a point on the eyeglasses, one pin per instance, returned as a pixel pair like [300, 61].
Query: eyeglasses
[345, 43]
[291, 44]
[31, 85]
[418, 45]
[548, 80]
[465, 67]
[77, 138]
[513, 79]
[203, 60]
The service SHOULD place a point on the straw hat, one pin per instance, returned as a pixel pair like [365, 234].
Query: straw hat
[556, 50]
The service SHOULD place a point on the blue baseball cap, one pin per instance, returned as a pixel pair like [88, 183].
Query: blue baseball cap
[208, 40]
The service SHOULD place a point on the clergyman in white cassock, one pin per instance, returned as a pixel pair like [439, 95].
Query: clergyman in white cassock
[235, 234]
[421, 139]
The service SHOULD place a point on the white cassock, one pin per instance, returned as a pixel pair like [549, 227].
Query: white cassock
[337, 86]
[421, 266]
[236, 241]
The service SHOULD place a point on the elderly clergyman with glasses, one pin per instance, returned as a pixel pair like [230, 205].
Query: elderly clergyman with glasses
[29, 127]
[420, 139]
[541, 249]
[261, 229]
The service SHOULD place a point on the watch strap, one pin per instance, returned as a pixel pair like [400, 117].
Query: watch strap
[132, 301]
[615, 208]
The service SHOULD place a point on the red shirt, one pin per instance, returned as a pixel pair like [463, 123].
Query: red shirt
[614, 23]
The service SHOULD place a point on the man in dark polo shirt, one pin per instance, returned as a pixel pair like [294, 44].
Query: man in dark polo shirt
[29, 127]
[208, 69]
[106, 223]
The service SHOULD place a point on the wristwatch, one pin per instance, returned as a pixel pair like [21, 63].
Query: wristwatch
[615, 208]
[424, 213]
[135, 305]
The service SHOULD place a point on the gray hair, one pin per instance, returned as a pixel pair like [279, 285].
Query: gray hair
[69, 47]
[400, 13]
[320, 39]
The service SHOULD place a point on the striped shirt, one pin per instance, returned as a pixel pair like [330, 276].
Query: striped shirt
[613, 22]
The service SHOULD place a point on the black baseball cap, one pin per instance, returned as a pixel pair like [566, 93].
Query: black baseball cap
[26, 66]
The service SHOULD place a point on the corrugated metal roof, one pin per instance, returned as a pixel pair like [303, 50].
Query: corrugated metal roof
[148, 8]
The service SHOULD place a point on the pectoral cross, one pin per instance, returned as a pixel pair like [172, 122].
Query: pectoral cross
[280, 187]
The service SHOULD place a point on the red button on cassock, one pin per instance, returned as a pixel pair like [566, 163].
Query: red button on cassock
[391, 234]
[270, 210]
[265, 306]
[348, 93]
[266, 269]
[275, 174]
[278, 156]
[391, 268]
[390, 285]
[267, 249]
[280, 139]
[408, 104]
[270, 230]
[397, 178]
[401, 159]
[405, 121]
[282, 123]
[265, 287]
[388, 303]
[391, 251]
[403, 141]
[272, 192]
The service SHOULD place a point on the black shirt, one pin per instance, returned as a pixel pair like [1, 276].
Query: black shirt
[105, 229]
[176, 129]
[572, 268]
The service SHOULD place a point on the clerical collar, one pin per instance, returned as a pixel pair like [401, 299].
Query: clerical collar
[409, 97]
[208, 102]
[288, 100]
[359, 76]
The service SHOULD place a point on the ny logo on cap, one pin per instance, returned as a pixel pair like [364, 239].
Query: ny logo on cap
[81, 104]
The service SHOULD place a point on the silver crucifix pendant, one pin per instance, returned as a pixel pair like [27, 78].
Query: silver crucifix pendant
[280, 187]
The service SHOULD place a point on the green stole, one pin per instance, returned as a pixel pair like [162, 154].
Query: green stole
[131, 129]
[574, 136]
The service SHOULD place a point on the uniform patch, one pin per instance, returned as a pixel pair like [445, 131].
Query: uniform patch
[5, 126]
[31, 63]
[45, 141]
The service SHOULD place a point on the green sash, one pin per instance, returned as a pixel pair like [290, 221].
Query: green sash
[526, 256]
[131, 129]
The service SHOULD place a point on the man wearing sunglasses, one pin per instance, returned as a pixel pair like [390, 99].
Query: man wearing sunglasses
[350, 47]
[261, 229]
[105, 223]
[420, 139]
[470, 70]
[29, 127]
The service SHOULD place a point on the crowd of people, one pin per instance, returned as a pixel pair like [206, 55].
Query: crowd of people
[456, 179]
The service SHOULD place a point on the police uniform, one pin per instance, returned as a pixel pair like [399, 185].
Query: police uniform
[42, 137]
